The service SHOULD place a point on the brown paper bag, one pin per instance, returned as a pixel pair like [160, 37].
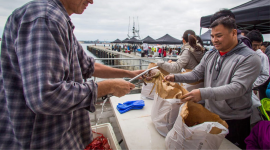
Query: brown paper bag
[194, 114]
[196, 128]
[166, 90]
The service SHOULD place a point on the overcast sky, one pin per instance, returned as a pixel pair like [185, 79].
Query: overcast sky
[109, 19]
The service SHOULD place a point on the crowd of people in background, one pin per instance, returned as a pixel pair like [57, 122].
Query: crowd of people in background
[150, 51]
[154, 50]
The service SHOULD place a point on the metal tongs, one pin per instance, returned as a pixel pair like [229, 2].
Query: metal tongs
[110, 95]
[142, 73]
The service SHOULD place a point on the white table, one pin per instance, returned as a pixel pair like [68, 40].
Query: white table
[137, 128]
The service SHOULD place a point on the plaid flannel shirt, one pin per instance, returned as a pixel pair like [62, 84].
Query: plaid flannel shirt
[44, 101]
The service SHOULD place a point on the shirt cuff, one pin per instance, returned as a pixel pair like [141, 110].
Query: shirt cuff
[178, 78]
[160, 63]
[207, 93]
[93, 97]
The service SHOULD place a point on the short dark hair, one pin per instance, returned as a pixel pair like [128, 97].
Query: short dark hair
[255, 35]
[245, 32]
[227, 22]
[222, 13]
[266, 44]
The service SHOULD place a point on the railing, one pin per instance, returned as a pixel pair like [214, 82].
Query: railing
[118, 66]
[140, 59]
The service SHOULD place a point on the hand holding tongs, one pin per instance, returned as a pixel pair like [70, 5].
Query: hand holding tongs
[142, 73]
[110, 95]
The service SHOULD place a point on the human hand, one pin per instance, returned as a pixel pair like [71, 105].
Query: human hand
[169, 78]
[120, 87]
[169, 61]
[91, 1]
[194, 96]
[135, 73]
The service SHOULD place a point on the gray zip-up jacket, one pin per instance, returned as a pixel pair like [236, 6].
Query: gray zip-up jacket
[228, 81]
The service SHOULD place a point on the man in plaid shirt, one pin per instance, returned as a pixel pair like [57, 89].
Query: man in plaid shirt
[44, 101]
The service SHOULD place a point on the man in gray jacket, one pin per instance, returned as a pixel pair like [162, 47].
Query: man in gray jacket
[228, 73]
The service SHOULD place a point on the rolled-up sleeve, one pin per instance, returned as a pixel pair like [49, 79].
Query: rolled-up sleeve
[178, 65]
[48, 71]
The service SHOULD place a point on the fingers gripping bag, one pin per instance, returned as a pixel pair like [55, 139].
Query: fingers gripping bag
[147, 89]
[191, 86]
[196, 128]
[165, 108]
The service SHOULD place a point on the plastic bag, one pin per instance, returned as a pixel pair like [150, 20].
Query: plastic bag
[164, 113]
[146, 91]
[166, 101]
[196, 128]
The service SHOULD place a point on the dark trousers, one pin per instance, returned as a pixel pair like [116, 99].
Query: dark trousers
[238, 131]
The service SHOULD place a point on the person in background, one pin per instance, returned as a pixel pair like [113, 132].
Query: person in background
[267, 91]
[164, 52]
[119, 48]
[227, 82]
[149, 50]
[179, 51]
[244, 32]
[153, 50]
[145, 49]
[267, 52]
[225, 13]
[264, 46]
[159, 52]
[135, 48]
[167, 49]
[261, 82]
[190, 57]
[45, 97]
[170, 51]
[174, 52]
[259, 137]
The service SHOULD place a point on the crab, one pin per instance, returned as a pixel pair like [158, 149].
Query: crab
[151, 74]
